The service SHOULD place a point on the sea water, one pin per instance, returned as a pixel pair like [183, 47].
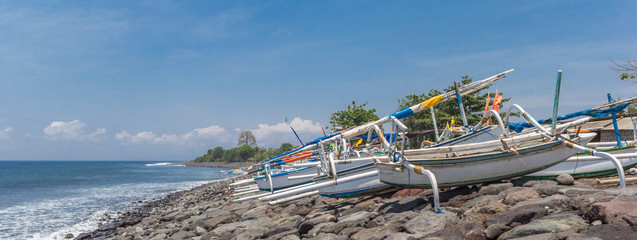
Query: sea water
[49, 199]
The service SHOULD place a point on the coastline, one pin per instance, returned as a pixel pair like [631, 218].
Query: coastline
[232, 165]
[509, 209]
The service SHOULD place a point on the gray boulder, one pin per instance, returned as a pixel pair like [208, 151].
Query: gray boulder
[605, 231]
[429, 222]
[565, 179]
[493, 231]
[549, 224]
[376, 233]
[494, 189]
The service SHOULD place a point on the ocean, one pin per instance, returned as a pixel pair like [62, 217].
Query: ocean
[49, 199]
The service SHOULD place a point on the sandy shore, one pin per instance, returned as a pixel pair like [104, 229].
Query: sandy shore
[516, 209]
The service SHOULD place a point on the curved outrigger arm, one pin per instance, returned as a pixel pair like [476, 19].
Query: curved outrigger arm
[572, 145]
[432, 179]
[593, 152]
[494, 113]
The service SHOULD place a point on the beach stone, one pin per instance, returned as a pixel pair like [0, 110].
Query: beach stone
[542, 236]
[462, 230]
[565, 179]
[494, 189]
[407, 193]
[459, 201]
[285, 224]
[493, 231]
[628, 191]
[253, 213]
[402, 236]
[549, 224]
[358, 218]
[429, 222]
[377, 221]
[199, 230]
[483, 211]
[69, 235]
[521, 215]
[375, 233]
[307, 225]
[326, 227]
[251, 234]
[555, 203]
[584, 202]
[287, 211]
[290, 237]
[328, 236]
[619, 212]
[302, 211]
[369, 203]
[350, 231]
[506, 192]
[479, 200]
[546, 190]
[455, 192]
[405, 204]
[213, 222]
[159, 236]
[535, 183]
[182, 235]
[605, 231]
[209, 236]
[280, 235]
[398, 220]
[520, 195]
[352, 210]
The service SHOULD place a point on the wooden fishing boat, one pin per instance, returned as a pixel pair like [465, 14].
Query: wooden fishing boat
[478, 162]
[582, 165]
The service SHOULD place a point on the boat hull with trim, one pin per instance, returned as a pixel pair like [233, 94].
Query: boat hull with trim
[357, 188]
[281, 180]
[582, 165]
[477, 163]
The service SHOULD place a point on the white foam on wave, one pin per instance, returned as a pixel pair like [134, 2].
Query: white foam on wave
[80, 212]
[158, 164]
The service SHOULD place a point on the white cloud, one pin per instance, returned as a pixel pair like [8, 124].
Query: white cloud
[4, 134]
[265, 132]
[210, 132]
[73, 130]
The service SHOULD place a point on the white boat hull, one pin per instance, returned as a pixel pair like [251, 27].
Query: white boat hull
[477, 168]
[586, 166]
[357, 188]
[281, 180]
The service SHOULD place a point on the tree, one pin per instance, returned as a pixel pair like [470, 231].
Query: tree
[217, 154]
[354, 115]
[627, 69]
[245, 152]
[473, 103]
[246, 138]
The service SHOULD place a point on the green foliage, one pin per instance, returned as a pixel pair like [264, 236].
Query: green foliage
[354, 115]
[473, 103]
[625, 76]
[243, 153]
[217, 153]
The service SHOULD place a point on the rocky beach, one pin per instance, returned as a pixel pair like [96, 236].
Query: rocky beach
[514, 209]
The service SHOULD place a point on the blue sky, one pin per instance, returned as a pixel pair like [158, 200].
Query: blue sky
[166, 80]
